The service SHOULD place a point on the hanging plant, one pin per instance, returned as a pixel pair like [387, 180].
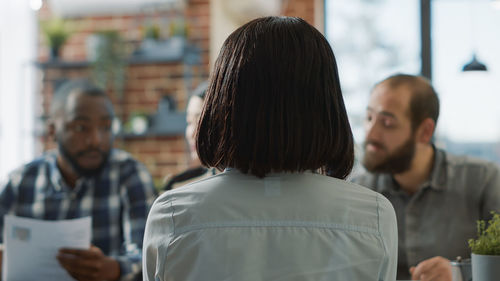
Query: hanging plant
[110, 62]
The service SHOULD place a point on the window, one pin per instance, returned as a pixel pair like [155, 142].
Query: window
[470, 101]
[17, 53]
[372, 39]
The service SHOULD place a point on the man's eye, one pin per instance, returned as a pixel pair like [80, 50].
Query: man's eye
[388, 123]
[369, 118]
[80, 128]
[106, 128]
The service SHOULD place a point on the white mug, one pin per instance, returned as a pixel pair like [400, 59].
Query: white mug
[461, 270]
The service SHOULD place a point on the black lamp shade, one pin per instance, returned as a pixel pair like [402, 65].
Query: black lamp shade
[474, 65]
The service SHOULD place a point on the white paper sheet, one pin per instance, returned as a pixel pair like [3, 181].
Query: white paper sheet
[31, 247]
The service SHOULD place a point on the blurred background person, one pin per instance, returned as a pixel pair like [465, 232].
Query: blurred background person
[438, 196]
[86, 176]
[195, 171]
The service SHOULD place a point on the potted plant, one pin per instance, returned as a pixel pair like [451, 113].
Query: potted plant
[486, 250]
[56, 33]
[152, 32]
[178, 28]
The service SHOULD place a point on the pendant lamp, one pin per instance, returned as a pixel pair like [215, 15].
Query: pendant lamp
[474, 65]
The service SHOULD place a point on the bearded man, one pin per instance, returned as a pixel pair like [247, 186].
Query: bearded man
[84, 177]
[438, 197]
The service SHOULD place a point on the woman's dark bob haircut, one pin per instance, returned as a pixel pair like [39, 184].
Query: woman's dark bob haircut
[274, 103]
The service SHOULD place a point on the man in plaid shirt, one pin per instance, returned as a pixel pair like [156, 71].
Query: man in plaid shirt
[83, 177]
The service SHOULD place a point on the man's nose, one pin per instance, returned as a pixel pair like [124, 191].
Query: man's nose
[95, 137]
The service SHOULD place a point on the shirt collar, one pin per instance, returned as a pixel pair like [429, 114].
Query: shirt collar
[55, 176]
[387, 184]
[439, 171]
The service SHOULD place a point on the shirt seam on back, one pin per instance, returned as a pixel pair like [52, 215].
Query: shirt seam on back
[283, 224]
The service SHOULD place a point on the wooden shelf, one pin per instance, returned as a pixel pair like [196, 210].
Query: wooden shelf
[164, 125]
[136, 60]
[188, 54]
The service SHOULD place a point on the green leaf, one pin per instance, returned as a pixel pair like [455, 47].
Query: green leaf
[488, 240]
[56, 32]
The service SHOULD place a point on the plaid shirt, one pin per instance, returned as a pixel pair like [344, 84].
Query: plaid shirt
[118, 200]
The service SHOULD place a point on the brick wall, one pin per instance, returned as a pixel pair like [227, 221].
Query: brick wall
[145, 83]
[301, 8]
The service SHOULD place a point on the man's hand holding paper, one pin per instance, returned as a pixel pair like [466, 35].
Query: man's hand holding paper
[88, 265]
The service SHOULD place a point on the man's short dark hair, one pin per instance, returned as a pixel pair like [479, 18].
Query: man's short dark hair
[424, 101]
[82, 86]
[274, 103]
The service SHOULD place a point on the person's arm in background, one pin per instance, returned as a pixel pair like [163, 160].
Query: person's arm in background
[435, 268]
[7, 199]
[89, 265]
[388, 228]
[139, 195]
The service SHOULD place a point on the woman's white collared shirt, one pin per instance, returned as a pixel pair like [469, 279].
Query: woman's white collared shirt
[303, 226]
